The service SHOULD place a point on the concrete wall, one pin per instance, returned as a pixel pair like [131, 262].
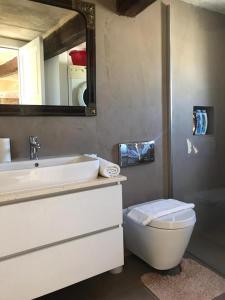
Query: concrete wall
[129, 102]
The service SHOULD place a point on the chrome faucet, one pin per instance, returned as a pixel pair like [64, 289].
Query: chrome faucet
[34, 146]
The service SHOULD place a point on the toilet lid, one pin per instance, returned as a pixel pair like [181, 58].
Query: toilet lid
[176, 220]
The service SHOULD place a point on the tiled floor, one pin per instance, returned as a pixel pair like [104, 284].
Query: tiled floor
[208, 238]
[210, 252]
[125, 286]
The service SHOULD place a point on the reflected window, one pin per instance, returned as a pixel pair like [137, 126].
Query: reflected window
[9, 79]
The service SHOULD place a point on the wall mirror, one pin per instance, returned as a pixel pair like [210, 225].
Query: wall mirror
[47, 58]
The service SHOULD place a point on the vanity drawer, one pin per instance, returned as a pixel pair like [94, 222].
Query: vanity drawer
[36, 223]
[40, 272]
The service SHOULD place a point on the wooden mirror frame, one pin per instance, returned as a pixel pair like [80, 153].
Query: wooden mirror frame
[87, 11]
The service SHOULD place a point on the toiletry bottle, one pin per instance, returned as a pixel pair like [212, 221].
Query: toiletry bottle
[198, 130]
[194, 122]
[204, 122]
[5, 152]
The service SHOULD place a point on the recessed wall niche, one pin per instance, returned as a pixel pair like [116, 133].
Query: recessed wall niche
[203, 120]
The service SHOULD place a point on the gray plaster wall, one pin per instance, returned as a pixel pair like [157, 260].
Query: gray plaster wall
[129, 102]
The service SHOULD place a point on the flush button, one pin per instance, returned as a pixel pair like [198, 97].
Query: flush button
[132, 154]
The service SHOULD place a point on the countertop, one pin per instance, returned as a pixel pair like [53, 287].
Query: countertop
[48, 191]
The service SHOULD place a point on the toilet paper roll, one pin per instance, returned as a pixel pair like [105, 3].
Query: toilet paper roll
[5, 153]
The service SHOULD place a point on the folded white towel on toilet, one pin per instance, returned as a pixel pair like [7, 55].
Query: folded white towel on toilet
[143, 214]
[107, 168]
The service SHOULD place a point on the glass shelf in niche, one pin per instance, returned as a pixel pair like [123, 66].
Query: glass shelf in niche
[203, 120]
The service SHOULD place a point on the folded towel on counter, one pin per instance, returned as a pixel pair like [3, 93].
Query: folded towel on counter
[144, 214]
[108, 169]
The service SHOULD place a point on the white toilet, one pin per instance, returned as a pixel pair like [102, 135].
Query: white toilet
[161, 244]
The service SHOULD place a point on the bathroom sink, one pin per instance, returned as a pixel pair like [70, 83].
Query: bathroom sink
[22, 175]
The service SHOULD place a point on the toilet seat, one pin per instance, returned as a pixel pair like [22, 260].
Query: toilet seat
[176, 220]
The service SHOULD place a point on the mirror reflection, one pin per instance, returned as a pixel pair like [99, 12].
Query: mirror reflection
[43, 57]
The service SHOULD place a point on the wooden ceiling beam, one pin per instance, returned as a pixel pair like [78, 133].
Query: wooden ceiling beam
[69, 35]
[9, 68]
[131, 8]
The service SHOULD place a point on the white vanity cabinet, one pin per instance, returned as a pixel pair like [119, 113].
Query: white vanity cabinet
[48, 243]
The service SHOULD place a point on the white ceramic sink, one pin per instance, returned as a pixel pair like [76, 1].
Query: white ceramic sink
[16, 176]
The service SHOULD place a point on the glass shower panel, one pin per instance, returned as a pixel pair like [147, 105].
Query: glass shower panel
[198, 160]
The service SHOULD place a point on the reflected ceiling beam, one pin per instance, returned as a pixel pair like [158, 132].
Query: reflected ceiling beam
[131, 8]
[59, 3]
[70, 35]
[9, 68]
